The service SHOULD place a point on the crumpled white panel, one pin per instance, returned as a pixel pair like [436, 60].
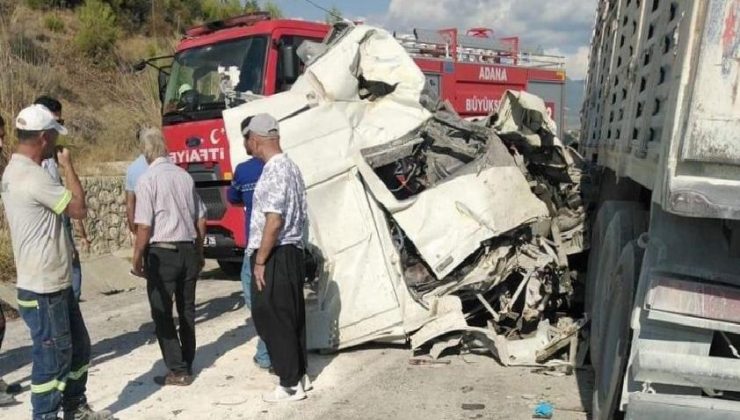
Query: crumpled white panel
[523, 113]
[357, 294]
[447, 223]
[380, 61]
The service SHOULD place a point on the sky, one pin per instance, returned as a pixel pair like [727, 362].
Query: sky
[561, 27]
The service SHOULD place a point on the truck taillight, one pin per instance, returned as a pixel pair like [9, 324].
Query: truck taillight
[694, 298]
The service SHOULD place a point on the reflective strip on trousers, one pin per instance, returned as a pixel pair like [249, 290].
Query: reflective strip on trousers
[28, 303]
[48, 386]
[77, 374]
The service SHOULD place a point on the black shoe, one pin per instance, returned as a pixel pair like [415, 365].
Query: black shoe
[172, 378]
[7, 399]
[10, 389]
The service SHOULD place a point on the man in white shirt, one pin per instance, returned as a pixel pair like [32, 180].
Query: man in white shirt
[276, 229]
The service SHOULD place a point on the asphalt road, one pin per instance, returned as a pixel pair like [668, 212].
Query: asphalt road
[369, 382]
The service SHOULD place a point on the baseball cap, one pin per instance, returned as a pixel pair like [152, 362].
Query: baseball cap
[261, 124]
[37, 118]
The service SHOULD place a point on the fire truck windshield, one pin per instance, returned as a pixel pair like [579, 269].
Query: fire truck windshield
[194, 90]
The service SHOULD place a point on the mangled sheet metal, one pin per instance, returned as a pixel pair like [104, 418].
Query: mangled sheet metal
[553, 170]
[418, 220]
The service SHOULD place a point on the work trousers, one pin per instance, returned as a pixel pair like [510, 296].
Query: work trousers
[174, 272]
[279, 312]
[60, 354]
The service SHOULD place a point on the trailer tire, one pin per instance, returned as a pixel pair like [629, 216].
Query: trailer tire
[604, 216]
[617, 223]
[616, 337]
[230, 268]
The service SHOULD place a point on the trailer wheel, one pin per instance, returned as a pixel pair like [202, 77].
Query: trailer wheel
[616, 337]
[230, 268]
[617, 223]
[606, 213]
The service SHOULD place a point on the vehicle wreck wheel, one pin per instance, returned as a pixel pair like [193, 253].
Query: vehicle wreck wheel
[616, 337]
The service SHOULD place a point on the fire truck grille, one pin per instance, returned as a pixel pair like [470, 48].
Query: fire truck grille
[214, 202]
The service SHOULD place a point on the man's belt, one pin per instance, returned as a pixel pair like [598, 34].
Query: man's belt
[170, 245]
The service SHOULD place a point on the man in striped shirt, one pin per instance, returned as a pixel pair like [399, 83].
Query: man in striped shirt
[171, 224]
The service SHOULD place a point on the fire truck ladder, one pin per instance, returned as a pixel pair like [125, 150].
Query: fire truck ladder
[477, 46]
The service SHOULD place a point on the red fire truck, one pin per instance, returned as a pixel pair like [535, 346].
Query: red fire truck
[472, 71]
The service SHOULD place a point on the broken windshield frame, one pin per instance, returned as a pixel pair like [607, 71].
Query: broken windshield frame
[194, 87]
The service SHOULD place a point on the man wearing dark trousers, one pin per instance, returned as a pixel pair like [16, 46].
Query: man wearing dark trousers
[275, 247]
[170, 219]
[34, 204]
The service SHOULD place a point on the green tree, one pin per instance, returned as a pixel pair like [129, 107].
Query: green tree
[252, 6]
[98, 31]
[221, 9]
[52, 4]
[333, 16]
[273, 9]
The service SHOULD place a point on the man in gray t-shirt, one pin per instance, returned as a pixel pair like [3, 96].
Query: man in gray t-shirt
[33, 205]
[276, 230]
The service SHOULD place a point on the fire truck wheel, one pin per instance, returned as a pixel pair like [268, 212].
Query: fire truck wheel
[617, 223]
[616, 337]
[230, 268]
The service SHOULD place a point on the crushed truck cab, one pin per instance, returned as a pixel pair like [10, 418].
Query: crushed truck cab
[415, 214]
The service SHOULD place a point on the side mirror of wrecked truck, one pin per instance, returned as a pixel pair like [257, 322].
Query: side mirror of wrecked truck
[289, 69]
[140, 66]
[162, 79]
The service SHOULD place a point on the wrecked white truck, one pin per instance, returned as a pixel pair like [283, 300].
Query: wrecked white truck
[421, 223]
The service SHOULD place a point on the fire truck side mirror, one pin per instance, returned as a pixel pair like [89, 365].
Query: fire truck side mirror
[162, 79]
[289, 63]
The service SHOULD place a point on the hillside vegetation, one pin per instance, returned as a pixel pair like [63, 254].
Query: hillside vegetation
[82, 52]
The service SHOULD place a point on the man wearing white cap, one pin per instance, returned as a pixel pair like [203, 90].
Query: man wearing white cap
[276, 229]
[34, 204]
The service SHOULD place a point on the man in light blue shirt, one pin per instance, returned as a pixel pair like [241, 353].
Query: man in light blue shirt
[134, 171]
[50, 165]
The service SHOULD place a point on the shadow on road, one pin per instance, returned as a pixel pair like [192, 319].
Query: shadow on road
[111, 348]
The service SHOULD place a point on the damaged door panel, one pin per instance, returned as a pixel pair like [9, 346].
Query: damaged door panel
[423, 224]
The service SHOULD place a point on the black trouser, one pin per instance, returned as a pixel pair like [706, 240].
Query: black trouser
[279, 312]
[174, 272]
[2, 326]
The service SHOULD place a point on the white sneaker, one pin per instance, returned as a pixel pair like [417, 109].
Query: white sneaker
[285, 394]
[306, 382]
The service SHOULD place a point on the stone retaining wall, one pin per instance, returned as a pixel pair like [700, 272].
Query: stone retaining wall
[106, 215]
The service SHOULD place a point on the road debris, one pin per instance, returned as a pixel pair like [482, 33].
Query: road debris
[543, 410]
[423, 225]
[420, 361]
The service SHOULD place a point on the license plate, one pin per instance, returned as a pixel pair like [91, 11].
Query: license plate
[210, 240]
